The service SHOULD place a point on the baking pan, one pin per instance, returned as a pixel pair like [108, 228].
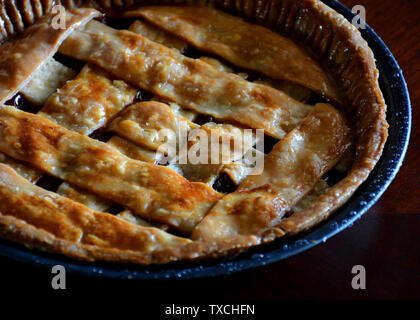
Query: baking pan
[396, 95]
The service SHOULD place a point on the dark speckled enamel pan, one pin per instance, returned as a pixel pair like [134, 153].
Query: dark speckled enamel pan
[399, 118]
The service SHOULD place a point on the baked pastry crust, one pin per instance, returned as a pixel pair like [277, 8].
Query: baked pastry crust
[54, 149]
[36, 45]
[74, 222]
[188, 82]
[88, 102]
[94, 166]
[143, 122]
[291, 170]
[243, 44]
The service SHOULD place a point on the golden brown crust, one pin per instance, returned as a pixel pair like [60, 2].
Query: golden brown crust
[238, 171]
[20, 231]
[350, 61]
[191, 83]
[74, 222]
[291, 170]
[45, 81]
[146, 30]
[83, 197]
[89, 101]
[29, 173]
[83, 105]
[130, 217]
[37, 44]
[225, 144]
[45, 220]
[143, 123]
[134, 151]
[98, 168]
[243, 44]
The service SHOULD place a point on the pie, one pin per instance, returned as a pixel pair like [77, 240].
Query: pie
[93, 116]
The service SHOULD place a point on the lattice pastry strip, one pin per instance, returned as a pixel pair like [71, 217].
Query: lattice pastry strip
[238, 171]
[35, 47]
[291, 171]
[100, 169]
[152, 32]
[75, 222]
[156, 35]
[208, 173]
[35, 50]
[184, 113]
[30, 174]
[226, 145]
[145, 123]
[45, 81]
[134, 151]
[320, 188]
[83, 105]
[142, 123]
[88, 102]
[96, 203]
[90, 200]
[127, 215]
[231, 38]
[191, 83]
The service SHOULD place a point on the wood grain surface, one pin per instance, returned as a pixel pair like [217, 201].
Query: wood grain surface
[385, 241]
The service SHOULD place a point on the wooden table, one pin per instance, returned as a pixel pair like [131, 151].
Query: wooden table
[385, 241]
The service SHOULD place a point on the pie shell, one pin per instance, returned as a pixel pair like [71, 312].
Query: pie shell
[338, 45]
